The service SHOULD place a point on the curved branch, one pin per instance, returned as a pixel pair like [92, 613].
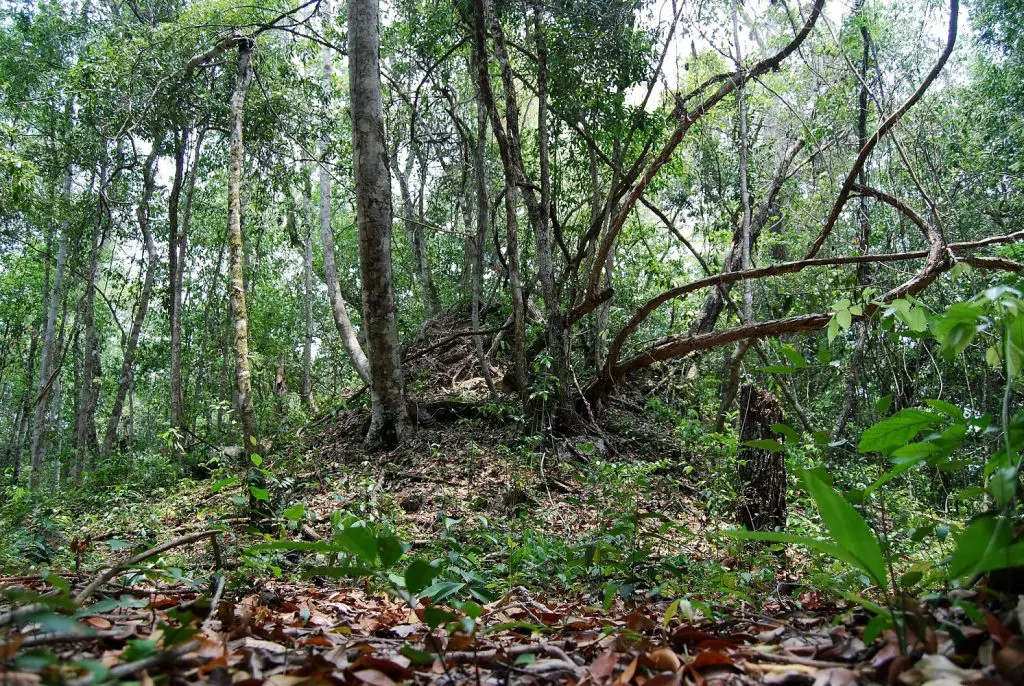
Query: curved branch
[883, 129]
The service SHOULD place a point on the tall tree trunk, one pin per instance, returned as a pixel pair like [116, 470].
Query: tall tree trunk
[178, 294]
[389, 420]
[39, 425]
[733, 362]
[173, 222]
[88, 387]
[306, 390]
[481, 10]
[863, 237]
[480, 237]
[338, 308]
[236, 152]
[131, 344]
[17, 447]
[412, 220]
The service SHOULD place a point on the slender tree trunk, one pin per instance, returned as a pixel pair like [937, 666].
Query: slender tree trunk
[142, 214]
[731, 368]
[762, 504]
[178, 293]
[413, 222]
[338, 308]
[389, 420]
[88, 387]
[520, 384]
[39, 425]
[17, 447]
[306, 390]
[863, 237]
[480, 237]
[173, 221]
[236, 151]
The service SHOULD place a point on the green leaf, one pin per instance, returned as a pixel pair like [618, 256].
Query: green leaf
[790, 434]
[883, 404]
[821, 545]
[833, 329]
[441, 590]
[259, 493]
[359, 541]
[417, 657]
[419, 575]
[1003, 485]
[844, 319]
[897, 430]
[985, 545]
[948, 409]
[137, 649]
[295, 513]
[848, 528]
[794, 357]
[220, 485]
[256, 459]
[435, 616]
[296, 546]
[389, 549]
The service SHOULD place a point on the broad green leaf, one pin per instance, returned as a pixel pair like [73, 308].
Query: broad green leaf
[389, 549]
[259, 493]
[985, 545]
[359, 541]
[223, 483]
[848, 528]
[897, 430]
[791, 435]
[419, 575]
[295, 513]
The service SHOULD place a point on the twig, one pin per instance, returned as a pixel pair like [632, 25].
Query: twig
[110, 573]
[215, 600]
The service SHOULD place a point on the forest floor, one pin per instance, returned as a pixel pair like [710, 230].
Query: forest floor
[579, 561]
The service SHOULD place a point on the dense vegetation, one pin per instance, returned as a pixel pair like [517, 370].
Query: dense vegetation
[712, 272]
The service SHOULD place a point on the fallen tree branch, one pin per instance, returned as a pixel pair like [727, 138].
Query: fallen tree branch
[112, 571]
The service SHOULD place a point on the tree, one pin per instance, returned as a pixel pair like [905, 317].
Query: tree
[389, 419]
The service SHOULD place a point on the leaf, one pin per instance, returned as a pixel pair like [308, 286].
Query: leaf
[295, 513]
[435, 616]
[256, 459]
[1003, 485]
[389, 549]
[833, 329]
[895, 431]
[844, 319]
[986, 545]
[419, 575]
[791, 435]
[259, 493]
[819, 544]
[883, 404]
[442, 589]
[218, 486]
[794, 357]
[359, 541]
[848, 528]
[343, 572]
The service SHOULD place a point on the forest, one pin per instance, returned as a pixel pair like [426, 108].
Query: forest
[450, 342]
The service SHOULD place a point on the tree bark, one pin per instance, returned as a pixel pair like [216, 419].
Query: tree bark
[306, 389]
[142, 214]
[173, 221]
[338, 308]
[88, 388]
[39, 427]
[480, 237]
[389, 419]
[762, 503]
[236, 151]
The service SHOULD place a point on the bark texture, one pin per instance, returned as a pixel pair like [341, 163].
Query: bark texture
[236, 154]
[762, 505]
[389, 419]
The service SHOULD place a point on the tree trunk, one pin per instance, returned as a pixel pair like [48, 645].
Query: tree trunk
[306, 390]
[17, 447]
[39, 425]
[173, 220]
[413, 221]
[236, 151]
[88, 388]
[389, 420]
[481, 10]
[131, 345]
[762, 505]
[338, 308]
[480, 237]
